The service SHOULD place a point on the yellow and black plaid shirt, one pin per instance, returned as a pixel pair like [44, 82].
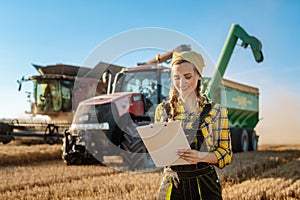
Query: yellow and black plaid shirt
[215, 128]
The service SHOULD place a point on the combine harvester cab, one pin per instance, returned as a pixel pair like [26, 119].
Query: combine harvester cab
[106, 125]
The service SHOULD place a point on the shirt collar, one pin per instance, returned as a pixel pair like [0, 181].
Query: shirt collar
[206, 101]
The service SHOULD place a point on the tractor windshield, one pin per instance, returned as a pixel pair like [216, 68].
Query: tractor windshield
[147, 83]
[53, 95]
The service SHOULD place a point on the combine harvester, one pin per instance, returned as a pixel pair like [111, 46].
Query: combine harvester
[56, 96]
[106, 123]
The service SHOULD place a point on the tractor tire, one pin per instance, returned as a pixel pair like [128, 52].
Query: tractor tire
[253, 140]
[135, 156]
[69, 157]
[72, 159]
[239, 139]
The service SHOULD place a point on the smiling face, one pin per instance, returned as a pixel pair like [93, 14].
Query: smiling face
[185, 79]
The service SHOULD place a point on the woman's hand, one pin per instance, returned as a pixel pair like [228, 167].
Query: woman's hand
[194, 156]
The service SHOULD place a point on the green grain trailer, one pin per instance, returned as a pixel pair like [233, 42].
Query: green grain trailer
[243, 106]
[242, 101]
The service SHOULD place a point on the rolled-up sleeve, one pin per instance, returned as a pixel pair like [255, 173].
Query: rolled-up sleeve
[222, 141]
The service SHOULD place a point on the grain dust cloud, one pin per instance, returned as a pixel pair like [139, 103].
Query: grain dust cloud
[280, 113]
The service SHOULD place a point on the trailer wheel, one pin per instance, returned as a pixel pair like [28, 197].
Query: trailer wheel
[239, 139]
[253, 140]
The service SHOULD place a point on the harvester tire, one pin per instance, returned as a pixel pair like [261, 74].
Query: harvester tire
[5, 133]
[253, 140]
[239, 139]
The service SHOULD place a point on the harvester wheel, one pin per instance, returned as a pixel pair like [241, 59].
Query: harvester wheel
[240, 140]
[50, 130]
[5, 133]
[253, 140]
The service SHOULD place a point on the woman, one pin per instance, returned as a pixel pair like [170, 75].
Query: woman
[206, 125]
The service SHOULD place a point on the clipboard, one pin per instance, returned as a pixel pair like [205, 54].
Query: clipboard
[162, 141]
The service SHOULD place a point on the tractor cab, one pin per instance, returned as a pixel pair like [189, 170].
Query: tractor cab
[152, 81]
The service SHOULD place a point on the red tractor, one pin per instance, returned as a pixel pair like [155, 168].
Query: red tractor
[105, 125]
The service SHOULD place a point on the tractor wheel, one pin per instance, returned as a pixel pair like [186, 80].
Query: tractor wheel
[253, 140]
[69, 156]
[72, 159]
[135, 156]
[239, 139]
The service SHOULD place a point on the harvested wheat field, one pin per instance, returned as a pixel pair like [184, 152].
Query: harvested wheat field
[37, 172]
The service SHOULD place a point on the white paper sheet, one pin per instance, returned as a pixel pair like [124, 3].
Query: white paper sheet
[162, 141]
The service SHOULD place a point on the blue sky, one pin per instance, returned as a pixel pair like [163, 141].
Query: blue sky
[50, 32]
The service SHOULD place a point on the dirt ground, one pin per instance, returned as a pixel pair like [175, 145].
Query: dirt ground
[37, 172]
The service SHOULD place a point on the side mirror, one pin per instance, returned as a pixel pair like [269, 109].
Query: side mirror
[20, 83]
[105, 77]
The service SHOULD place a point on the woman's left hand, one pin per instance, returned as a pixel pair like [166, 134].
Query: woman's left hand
[192, 156]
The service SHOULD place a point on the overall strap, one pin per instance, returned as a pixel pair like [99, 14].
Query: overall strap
[204, 113]
[199, 134]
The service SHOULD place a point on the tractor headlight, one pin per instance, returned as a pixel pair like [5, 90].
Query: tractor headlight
[91, 126]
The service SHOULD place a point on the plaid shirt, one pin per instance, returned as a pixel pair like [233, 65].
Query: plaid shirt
[215, 128]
